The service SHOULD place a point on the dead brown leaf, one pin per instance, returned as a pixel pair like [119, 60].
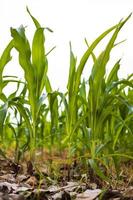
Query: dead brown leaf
[32, 181]
[88, 195]
[128, 193]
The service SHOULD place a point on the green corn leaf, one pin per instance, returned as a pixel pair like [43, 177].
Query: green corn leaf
[113, 75]
[10, 76]
[92, 54]
[70, 136]
[40, 103]
[117, 134]
[98, 70]
[3, 112]
[116, 44]
[122, 83]
[118, 155]
[23, 112]
[44, 77]
[20, 41]
[22, 45]
[72, 68]
[100, 123]
[49, 29]
[90, 50]
[72, 104]
[50, 51]
[53, 98]
[53, 105]
[98, 171]
[6, 82]
[24, 91]
[5, 58]
[83, 89]
[64, 100]
[78, 123]
[100, 148]
[82, 101]
[13, 79]
[48, 85]
[3, 97]
[34, 19]
[38, 57]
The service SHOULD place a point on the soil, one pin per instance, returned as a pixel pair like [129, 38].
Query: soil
[48, 181]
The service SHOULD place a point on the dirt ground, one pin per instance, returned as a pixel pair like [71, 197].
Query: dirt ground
[46, 181]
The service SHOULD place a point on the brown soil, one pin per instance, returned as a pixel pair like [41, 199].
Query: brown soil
[54, 178]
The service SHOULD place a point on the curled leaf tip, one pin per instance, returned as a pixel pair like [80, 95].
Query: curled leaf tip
[70, 44]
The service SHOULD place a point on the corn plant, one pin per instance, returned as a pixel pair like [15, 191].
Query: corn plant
[94, 110]
[34, 63]
[4, 59]
[98, 72]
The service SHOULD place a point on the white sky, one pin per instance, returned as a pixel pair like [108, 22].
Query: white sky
[71, 20]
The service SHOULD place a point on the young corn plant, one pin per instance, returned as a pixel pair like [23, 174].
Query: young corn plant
[93, 111]
[33, 61]
[5, 100]
[98, 72]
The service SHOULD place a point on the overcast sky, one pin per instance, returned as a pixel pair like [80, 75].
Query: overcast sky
[71, 20]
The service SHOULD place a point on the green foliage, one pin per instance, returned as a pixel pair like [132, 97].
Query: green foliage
[94, 117]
